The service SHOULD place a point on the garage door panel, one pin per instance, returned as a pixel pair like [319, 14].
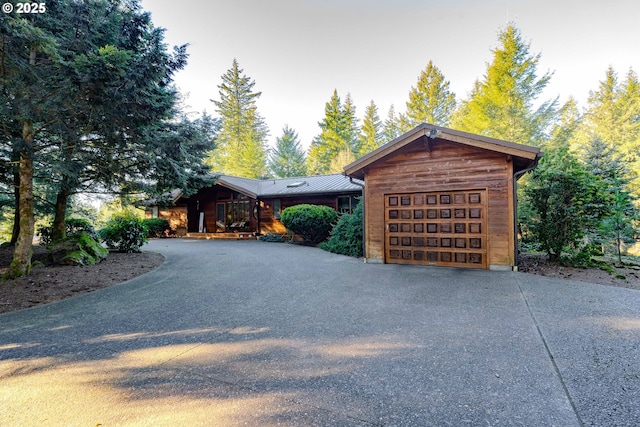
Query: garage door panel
[437, 228]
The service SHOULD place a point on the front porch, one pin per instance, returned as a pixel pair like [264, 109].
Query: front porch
[247, 235]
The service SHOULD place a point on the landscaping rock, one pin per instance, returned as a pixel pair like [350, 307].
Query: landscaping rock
[77, 249]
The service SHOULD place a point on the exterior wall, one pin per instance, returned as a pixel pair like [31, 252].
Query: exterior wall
[269, 224]
[176, 215]
[185, 216]
[447, 167]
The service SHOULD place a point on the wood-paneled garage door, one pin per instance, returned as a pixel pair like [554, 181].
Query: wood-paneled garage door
[446, 228]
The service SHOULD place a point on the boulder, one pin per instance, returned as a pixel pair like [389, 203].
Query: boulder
[77, 249]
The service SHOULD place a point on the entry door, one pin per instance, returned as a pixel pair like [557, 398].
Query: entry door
[446, 228]
[220, 218]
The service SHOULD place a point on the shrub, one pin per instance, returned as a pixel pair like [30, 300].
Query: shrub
[271, 238]
[157, 227]
[311, 222]
[346, 236]
[73, 226]
[124, 233]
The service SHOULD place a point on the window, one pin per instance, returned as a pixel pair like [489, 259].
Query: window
[276, 208]
[346, 204]
[154, 212]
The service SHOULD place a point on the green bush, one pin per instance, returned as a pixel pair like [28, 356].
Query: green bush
[311, 222]
[272, 238]
[346, 236]
[157, 227]
[124, 233]
[583, 258]
[73, 226]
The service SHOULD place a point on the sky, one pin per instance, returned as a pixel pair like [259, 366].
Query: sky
[298, 51]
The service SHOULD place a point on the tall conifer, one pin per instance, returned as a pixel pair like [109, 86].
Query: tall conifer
[338, 133]
[241, 142]
[431, 100]
[391, 128]
[288, 158]
[503, 104]
[371, 136]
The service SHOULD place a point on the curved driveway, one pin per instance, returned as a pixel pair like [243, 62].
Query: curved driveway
[252, 333]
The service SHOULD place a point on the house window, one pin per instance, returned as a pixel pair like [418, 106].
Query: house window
[154, 212]
[238, 215]
[276, 208]
[346, 204]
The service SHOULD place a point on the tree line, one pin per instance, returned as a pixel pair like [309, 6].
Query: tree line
[585, 189]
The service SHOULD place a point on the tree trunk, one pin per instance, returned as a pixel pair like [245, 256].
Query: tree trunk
[16, 211]
[21, 264]
[15, 159]
[59, 227]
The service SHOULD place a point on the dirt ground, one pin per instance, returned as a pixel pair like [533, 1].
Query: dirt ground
[52, 283]
[538, 264]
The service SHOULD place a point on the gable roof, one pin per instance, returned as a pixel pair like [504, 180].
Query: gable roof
[298, 186]
[524, 155]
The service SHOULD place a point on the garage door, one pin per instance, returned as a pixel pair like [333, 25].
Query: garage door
[446, 228]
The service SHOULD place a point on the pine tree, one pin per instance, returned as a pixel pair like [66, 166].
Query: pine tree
[502, 105]
[338, 133]
[371, 136]
[430, 101]
[340, 160]
[391, 128]
[81, 82]
[613, 119]
[351, 130]
[618, 212]
[550, 197]
[629, 100]
[288, 158]
[241, 142]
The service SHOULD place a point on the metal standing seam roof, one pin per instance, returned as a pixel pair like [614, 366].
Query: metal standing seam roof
[304, 185]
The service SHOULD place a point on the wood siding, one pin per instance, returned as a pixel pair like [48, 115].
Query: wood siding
[177, 217]
[269, 224]
[443, 166]
[185, 216]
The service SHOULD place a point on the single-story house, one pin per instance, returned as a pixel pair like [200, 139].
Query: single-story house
[437, 196]
[243, 208]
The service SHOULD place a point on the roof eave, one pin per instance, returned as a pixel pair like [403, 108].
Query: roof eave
[311, 193]
[237, 188]
[356, 169]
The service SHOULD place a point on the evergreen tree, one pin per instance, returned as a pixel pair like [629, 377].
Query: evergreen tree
[629, 100]
[391, 128]
[502, 105]
[619, 214]
[288, 158]
[338, 133]
[80, 84]
[613, 120]
[430, 101]
[340, 160]
[241, 142]
[371, 136]
[563, 199]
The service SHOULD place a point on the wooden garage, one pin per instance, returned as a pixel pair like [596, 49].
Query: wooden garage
[437, 196]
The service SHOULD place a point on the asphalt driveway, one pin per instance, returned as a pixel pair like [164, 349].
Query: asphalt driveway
[252, 333]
